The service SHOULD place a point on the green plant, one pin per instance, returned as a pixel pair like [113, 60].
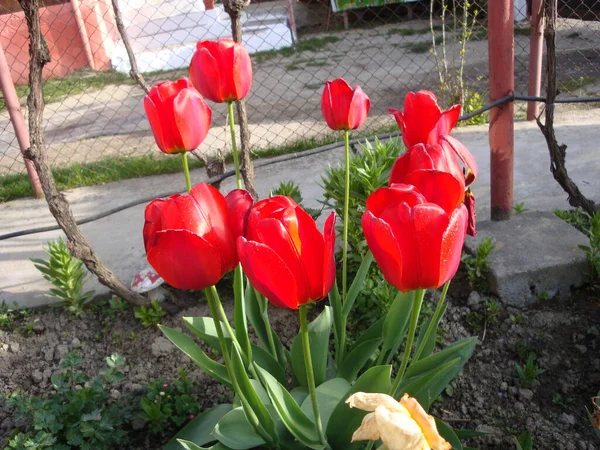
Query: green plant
[67, 274]
[471, 101]
[529, 373]
[492, 310]
[291, 189]
[516, 319]
[168, 405]
[77, 415]
[369, 170]
[524, 441]
[150, 315]
[26, 329]
[519, 208]
[117, 306]
[576, 217]
[478, 265]
[132, 336]
[6, 317]
[592, 250]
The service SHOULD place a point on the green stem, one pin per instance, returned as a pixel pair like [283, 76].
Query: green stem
[234, 152]
[414, 318]
[310, 376]
[429, 330]
[342, 348]
[186, 171]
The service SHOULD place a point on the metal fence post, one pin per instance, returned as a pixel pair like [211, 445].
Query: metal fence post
[18, 121]
[534, 85]
[502, 82]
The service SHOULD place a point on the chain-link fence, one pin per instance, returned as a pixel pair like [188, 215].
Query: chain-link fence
[94, 113]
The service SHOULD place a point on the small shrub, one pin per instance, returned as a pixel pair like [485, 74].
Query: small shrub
[67, 274]
[167, 406]
[519, 208]
[150, 315]
[77, 415]
[529, 373]
[592, 251]
[478, 265]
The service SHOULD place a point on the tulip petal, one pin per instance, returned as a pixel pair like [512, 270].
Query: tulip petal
[327, 106]
[329, 254]
[239, 202]
[274, 235]
[155, 123]
[205, 74]
[268, 273]
[269, 207]
[311, 256]
[153, 221]
[450, 143]
[383, 198]
[452, 242]
[241, 71]
[385, 249]
[438, 187]
[448, 120]
[399, 120]
[421, 114]
[184, 260]
[369, 401]
[426, 423]
[192, 117]
[359, 108]
[399, 431]
[341, 98]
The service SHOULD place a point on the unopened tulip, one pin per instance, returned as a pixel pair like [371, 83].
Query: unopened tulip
[400, 425]
[190, 238]
[221, 70]
[343, 107]
[286, 258]
[417, 244]
[178, 115]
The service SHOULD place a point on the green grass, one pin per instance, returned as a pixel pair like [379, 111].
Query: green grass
[481, 33]
[422, 46]
[573, 85]
[305, 45]
[114, 168]
[56, 89]
[408, 31]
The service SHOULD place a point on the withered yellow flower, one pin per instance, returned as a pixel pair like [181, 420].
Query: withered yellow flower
[400, 425]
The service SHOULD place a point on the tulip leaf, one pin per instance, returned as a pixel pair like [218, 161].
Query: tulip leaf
[448, 433]
[187, 345]
[428, 333]
[188, 445]
[357, 284]
[204, 328]
[336, 306]
[254, 408]
[199, 430]
[345, 420]
[294, 419]
[373, 332]
[239, 313]
[318, 332]
[235, 431]
[264, 359]
[299, 394]
[462, 349]
[329, 395]
[396, 323]
[428, 387]
[357, 358]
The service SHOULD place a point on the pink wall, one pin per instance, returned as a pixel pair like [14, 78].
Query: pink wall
[65, 42]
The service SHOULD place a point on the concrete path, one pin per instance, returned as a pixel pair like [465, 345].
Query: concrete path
[118, 237]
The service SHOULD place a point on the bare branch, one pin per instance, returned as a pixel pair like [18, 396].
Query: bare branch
[57, 203]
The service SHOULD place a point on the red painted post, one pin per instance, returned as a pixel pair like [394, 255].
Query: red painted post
[534, 86]
[16, 117]
[501, 31]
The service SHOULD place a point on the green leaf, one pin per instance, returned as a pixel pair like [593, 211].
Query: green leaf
[239, 312]
[299, 394]
[318, 332]
[524, 441]
[264, 359]
[234, 431]
[254, 408]
[429, 329]
[345, 420]
[199, 430]
[396, 323]
[448, 433]
[336, 306]
[357, 283]
[204, 328]
[329, 395]
[373, 332]
[357, 358]
[254, 315]
[187, 345]
[462, 349]
[428, 387]
[187, 445]
[295, 420]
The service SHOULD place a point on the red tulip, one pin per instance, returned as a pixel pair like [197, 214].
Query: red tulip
[434, 172]
[415, 243]
[190, 238]
[284, 255]
[178, 115]
[221, 70]
[344, 108]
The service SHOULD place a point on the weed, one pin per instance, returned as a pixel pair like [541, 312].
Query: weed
[26, 329]
[573, 35]
[6, 317]
[473, 101]
[522, 31]
[524, 441]
[67, 274]
[529, 373]
[475, 320]
[132, 336]
[77, 415]
[421, 46]
[577, 84]
[516, 319]
[117, 306]
[519, 208]
[305, 45]
[492, 310]
[314, 86]
[116, 338]
[575, 217]
[558, 400]
[543, 296]
[408, 31]
[592, 250]
[478, 266]
[149, 315]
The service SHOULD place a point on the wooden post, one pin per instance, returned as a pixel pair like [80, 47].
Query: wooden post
[85, 39]
[534, 85]
[502, 82]
[11, 100]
